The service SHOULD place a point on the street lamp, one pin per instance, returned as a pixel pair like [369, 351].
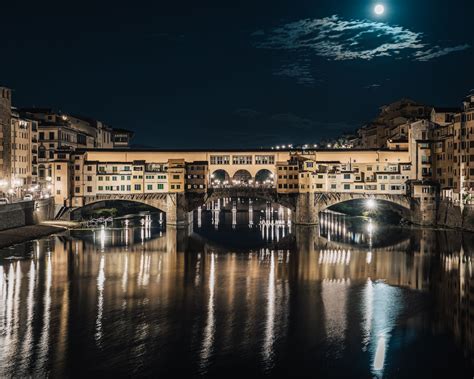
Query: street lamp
[370, 204]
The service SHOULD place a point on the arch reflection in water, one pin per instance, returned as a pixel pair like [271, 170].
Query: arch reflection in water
[197, 301]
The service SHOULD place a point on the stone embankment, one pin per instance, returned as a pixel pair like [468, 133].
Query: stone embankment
[27, 233]
[452, 216]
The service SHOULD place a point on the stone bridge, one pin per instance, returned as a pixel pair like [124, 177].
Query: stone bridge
[308, 205]
[305, 206]
[326, 200]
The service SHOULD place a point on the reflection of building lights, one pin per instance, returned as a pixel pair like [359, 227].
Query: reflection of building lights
[102, 237]
[379, 359]
[370, 227]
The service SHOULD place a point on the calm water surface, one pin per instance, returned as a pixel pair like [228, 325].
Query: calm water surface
[239, 293]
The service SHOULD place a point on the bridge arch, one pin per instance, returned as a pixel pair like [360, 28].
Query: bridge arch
[265, 194]
[401, 204]
[101, 201]
[219, 177]
[264, 176]
[242, 176]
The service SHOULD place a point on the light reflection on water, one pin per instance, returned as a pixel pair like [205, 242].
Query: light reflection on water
[348, 298]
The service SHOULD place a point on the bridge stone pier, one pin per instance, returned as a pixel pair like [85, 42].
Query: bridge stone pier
[305, 207]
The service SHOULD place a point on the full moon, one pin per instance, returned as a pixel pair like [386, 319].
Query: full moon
[379, 9]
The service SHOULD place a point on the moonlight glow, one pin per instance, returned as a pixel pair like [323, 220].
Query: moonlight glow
[379, 9]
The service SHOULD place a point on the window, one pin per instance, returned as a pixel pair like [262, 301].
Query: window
[89, 189]
[149, 187]
[58, 167]
[347, 176]
[58, 179]
[77, 178]
[58, 192]
[89, 178]
[101, 178]
[138, 187]
[41, 136]
[241, 159]
[220, 159]
[175, 177]
[89, 168]
[77, 190]
[347, 186]
[160, 186]
[101, 188]
[264, 159]
[51, 135]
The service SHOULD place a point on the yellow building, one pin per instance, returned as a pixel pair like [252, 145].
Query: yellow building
[176, 175]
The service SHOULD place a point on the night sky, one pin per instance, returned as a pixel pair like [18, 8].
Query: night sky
[236, 73]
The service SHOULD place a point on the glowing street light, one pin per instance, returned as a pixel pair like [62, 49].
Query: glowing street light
[370, 204]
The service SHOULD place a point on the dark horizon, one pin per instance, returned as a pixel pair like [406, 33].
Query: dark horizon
[209, 74]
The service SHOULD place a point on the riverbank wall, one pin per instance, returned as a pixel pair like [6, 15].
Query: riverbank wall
[26, 213]
[453, 216]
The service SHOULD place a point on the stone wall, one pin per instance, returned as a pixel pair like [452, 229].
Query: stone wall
[451, 216]
[26, 213]
[307, 213]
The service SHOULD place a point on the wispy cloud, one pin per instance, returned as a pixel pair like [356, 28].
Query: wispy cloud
[300, 71]
[437, 52]
[373, 86]
[287, 122]
[247, 113]
[336, 39]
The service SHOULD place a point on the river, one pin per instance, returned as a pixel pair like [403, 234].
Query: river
[239, 293]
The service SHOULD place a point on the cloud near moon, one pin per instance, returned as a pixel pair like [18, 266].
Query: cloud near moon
[337, 39]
